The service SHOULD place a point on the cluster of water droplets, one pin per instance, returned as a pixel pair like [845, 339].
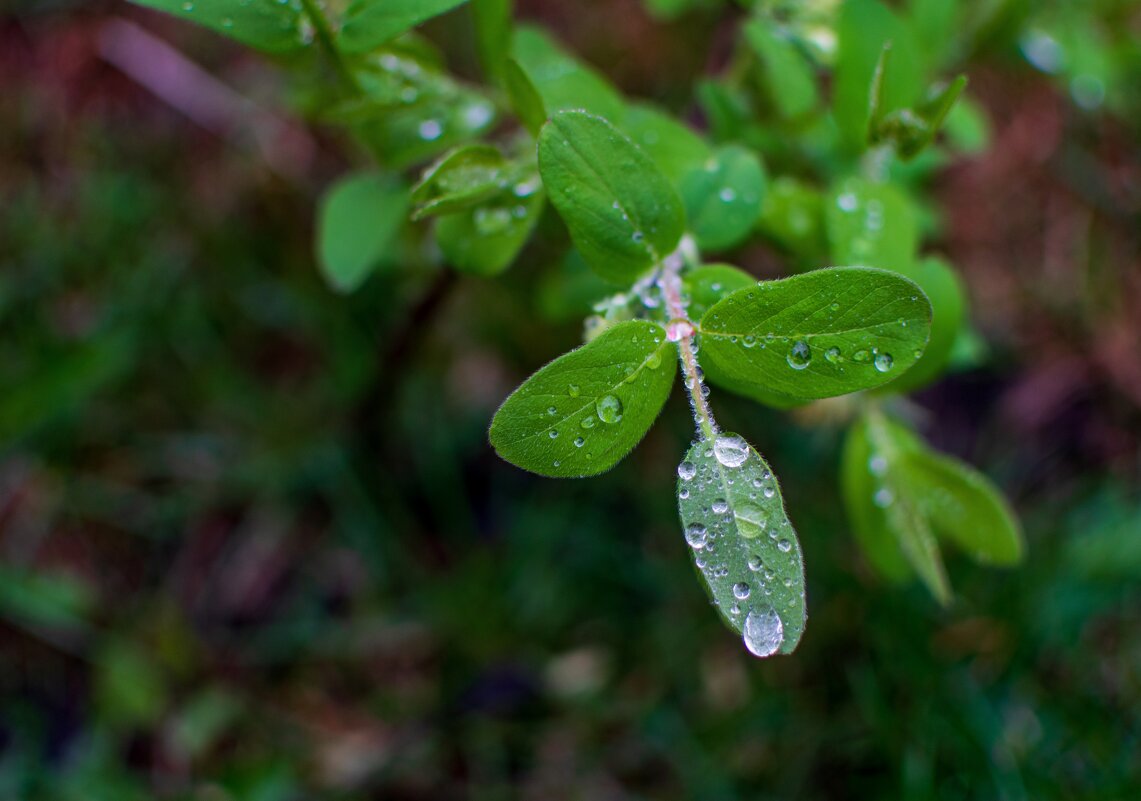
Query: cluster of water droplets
[741, 541]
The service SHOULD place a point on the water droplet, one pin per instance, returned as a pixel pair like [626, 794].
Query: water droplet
[579, 442]
[187, 7]
[740, 590]
[573, 390]
[751, 520]
[785, 546]
[756, 564]
[847, 202]
[800, 356]
[430, 130]
[861, 356]
[683, 493]
[491, 220]
[609, 409]
[686, 470]
[770, 492]
[720, 506]
[696, 535]
[763, 632]
[588, 422]
[551, 410]
[553, 434]
[727, 195]
[730, 450]
[638, 236]
[832, 355]
[877, 465]
[476, 115]
[883, 498]
[654, 360]
[884, 362]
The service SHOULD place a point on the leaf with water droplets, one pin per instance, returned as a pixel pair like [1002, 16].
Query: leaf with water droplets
[622, 213]
[792, 215]
[370, 23]
[743, 544]
[870, 224]
[583, 412]
[358, 220]
[723, 197]
[815, 335]
[262, 24]
[787, 74]
[460, 180]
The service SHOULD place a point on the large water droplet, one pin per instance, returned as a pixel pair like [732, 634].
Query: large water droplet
[579, 442]
[884, 362]
[763, 632]
[720, 506]
[883, 498]
[609, 409]
[740, 590]
[696, 535]
[730, 450]
[573, 390]
[686, 470]
[751, 520]
[800, 355]
[877, 465]
[430, 130]
[785, 546]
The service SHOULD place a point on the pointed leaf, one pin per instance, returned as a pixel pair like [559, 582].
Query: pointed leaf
[744, 546]
[561, 80]
[621, 211]
[368, 24]
[262, 24]
[492, 34]
[459, 180]
[815, 335]
[723, 197]
[357, 222]
[787, 74]
[524, 97]
[859, 479]
[583, 412]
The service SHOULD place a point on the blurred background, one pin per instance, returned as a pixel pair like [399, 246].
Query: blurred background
[254, 544]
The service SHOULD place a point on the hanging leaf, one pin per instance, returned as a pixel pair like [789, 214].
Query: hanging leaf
[357, 222]
[562, 81]
[786, 73]
[485, 238]
[459, 181]
[583, 412]
[524, 97]
[723, 197]
[743, 544]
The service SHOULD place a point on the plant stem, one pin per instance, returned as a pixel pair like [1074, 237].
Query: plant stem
[325, 37]
[669, 279]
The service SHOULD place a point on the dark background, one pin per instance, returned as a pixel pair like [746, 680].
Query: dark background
[254, 544]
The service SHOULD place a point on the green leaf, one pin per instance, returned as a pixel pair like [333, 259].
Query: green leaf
[815, 335]
[871, 224]
[792, 214]
[858, 486]
[486, 238]
[864, 27]
[723, 197]
[524, 97]
[583, 412]
[891, 508]
[673, 146]
[709, 283]
[911, 130]
[459, 180]
[561, 80]
[358, 220]
[622, 213]
[968, 128]
[787, 74]
[945, 292]
[744, 546]
[367, 24]
[493, 34]
[963, 506]
[262, 24]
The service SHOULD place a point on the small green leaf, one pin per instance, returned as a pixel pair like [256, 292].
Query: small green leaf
[459, 181]
[561, 80]
[524, 97]
[787, 74]
[367, 24]
[859, 482]
[709, 283]
[945, 292]
[911, 130]
[968, 128]
[871, 224]
[816, 335]
[493, 34]
[357, 222]
[673, 146]
[486, 238]
[262, 24]
[792, 214]
[963, 506]
[723, 197]
[744, 546]
[583, 412]
[622, 213]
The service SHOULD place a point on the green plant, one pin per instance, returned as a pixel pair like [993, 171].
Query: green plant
[643, 197]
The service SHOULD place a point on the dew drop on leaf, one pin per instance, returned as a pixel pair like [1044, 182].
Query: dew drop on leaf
[763, 633]
[884, 362]
[609, 409]
[579, 442]
[832, 355]
[573, 390]
[720, 506]
[883, 498]
[740, 590]
[785, 546]
[800, 355]
[696, 535]
[751, 520]
[730, 450]
[686, 470]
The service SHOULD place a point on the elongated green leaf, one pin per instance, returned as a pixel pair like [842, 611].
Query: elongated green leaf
[871, 224]
[787, 74]
[583, 412]
[486, 238]
[673, 146]
[963, 506]
[459, 180]
[709, 283]
[262, 24]
[359, 217]
[493, 34]
[815, 335]
[561, 80]
[942, 287]
[621, 211]
[910, 130]
[524, 97]
[723, 197]
[744, 546]
[368, 24]
[859, 482]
